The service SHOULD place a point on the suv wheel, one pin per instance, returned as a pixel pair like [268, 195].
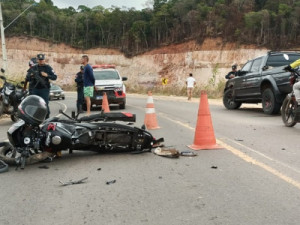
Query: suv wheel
[228, 100]
[269, 104]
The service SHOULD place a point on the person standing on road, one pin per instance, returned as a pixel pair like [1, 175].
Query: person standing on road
[88, 82]
[233, 73]
[80, 95]
[39, 76]
[190, 83]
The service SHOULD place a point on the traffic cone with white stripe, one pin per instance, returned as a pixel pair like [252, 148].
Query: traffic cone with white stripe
[150, 117]
[105, 106]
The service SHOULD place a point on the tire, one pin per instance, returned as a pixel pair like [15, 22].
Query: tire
[269, 104]
[1, 107]
[122, 106]
[8, 154]
[288, 112]
[228, 101]
[14, 117]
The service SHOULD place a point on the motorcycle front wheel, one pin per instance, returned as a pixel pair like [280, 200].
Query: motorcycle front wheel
[8, 154]
[288, 112]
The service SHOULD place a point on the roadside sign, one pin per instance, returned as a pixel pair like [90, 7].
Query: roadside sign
[164, 81]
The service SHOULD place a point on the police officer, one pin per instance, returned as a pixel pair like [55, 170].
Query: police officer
[232, 73]
[80, 95]
[39, 76]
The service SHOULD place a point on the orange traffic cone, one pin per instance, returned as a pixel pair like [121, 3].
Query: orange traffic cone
[204, 133]
[105, 106]
[150, 117]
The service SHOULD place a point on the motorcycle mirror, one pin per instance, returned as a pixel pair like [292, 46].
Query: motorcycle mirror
[286, 56]
[2, 70]
[60, 111]
[2, 77]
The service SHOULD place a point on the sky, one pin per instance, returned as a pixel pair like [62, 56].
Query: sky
[137, 4]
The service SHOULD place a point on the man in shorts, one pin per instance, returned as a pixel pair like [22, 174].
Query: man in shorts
[88, 82]
[190, 83]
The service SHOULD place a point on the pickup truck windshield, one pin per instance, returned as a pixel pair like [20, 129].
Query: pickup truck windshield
[106, 75]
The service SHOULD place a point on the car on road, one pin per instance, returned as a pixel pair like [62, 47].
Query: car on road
[109, 80]
[56, 92]
[261, 80]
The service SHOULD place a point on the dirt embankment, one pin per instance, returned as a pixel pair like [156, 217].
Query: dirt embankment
[174, 62]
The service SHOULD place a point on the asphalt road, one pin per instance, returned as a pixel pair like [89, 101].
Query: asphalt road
[255, 179]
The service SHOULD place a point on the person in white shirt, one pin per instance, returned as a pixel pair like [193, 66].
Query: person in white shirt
[190, 83]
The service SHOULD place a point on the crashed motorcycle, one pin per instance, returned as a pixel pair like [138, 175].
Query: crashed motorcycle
[33, 139]
[11, 96]
[290, 110]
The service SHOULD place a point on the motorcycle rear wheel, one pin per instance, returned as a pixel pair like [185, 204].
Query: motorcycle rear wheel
[288, 112]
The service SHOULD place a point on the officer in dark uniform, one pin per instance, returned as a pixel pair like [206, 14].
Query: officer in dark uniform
[233, 73]
[80, 95]
[39, 76]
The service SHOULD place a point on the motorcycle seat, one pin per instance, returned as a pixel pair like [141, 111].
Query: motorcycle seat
[88, 125]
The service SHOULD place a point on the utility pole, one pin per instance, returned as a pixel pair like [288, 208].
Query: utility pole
[4, 56]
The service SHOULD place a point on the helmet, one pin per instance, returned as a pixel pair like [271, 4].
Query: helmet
[33, 110]
[234, 67]
[32, 62]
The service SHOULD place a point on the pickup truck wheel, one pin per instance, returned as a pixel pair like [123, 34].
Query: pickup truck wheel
[269, 104]
[288, 112]
[229, 102]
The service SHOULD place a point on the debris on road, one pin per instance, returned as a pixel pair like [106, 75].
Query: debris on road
[283, 149]
[111, 182]
[73, 182]
[44, 167]
[99, 169]
[170, 153]
[214, 167]
[188, 153]
[236, 139]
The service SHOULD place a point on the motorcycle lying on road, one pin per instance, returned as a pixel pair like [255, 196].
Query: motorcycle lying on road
[11, 96]
[290, 111]
[33, 139]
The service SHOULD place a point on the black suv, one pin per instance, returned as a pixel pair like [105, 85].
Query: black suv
[261, 80]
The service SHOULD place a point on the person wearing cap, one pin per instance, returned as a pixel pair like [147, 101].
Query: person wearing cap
[80, 95]
[232, 73]
[32, 62]
[88, 82]
[39, 76]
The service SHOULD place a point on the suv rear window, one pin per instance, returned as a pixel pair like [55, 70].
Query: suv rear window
[106, 75]
[278, 60]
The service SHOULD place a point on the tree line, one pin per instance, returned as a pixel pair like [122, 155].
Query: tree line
[270, 23]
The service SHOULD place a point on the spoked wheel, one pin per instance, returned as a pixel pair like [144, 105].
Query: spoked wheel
[288, 112]
[228, 100]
